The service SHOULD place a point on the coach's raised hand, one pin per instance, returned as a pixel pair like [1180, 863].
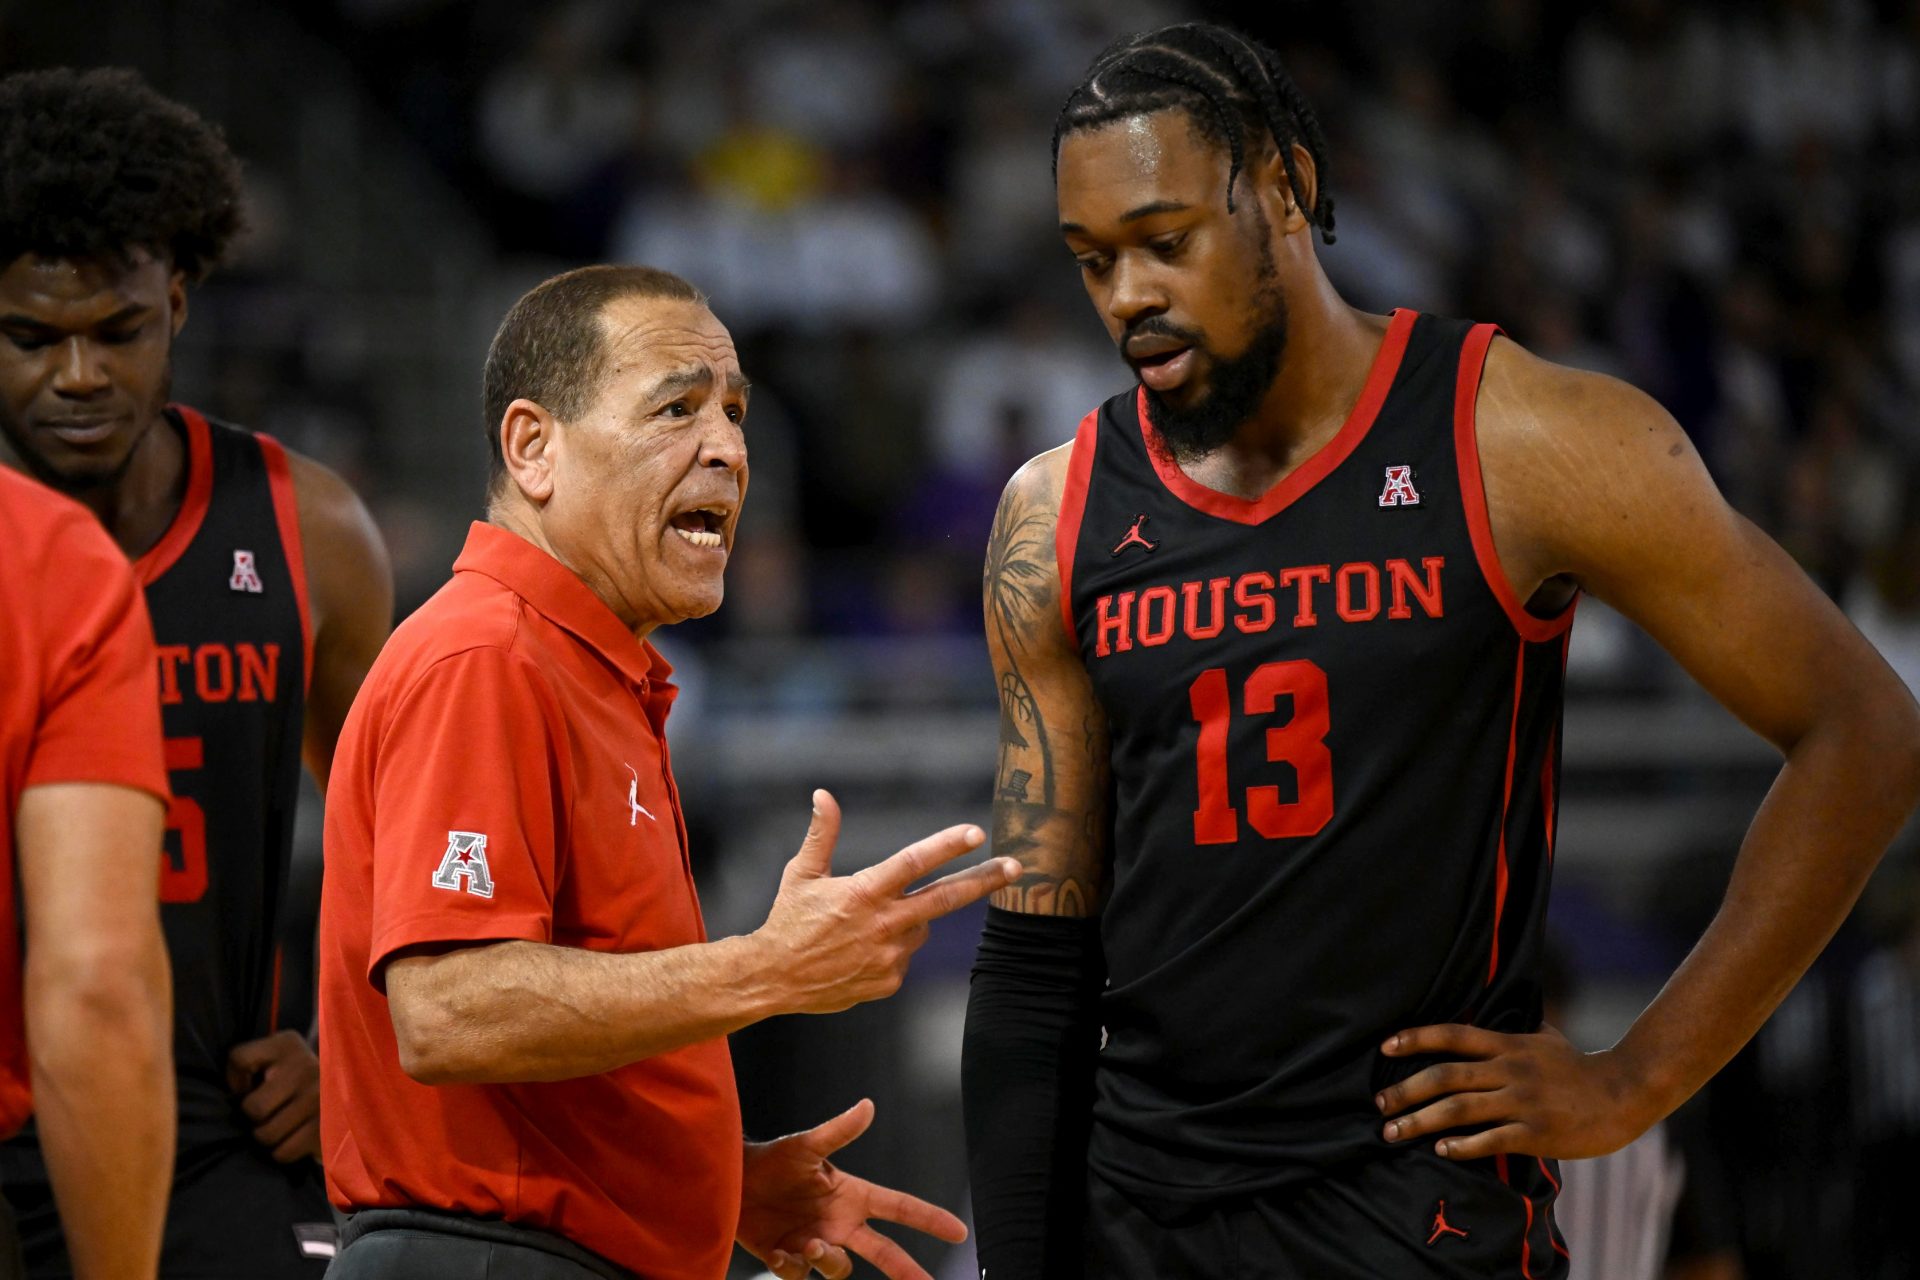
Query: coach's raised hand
[837, 941]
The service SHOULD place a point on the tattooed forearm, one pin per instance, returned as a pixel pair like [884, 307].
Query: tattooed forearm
[1017, 594]
[1024, 780]
[1045, 895]
[1040, 783]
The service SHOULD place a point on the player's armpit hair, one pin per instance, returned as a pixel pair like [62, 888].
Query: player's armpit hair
[94, 164]
[1235, 89]
[1026, 1081]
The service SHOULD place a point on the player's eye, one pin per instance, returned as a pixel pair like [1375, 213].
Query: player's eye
[678, 409]
[1093, 263]
[119, 337]
[736, 414]
[1166, 246]
[26, 342]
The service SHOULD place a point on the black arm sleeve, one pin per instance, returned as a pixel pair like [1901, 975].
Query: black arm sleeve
[1026, 1081]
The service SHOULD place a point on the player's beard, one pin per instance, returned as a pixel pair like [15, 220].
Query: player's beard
[1235, 387]
[77, 482]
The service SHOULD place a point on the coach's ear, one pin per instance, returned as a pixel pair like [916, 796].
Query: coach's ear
[527, 435]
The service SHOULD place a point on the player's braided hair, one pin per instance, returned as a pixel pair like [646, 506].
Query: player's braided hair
[1233, 87]
[95, 163]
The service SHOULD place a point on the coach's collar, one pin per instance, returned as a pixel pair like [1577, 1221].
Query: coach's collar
[558, 594]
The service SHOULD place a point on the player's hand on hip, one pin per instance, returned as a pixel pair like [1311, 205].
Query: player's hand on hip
[1535, 1095]
[800, 1214]
[278, 1080]
[842, 940]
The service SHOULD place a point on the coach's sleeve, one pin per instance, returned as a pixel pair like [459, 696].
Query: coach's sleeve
[469, 807]
[100, 687]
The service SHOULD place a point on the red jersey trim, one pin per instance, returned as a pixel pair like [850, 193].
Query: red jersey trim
[286, 513]
[1526, 1245]
[1553, 1237]
[1506, 806]
[1473, 495]
[162, 555]
[1295, 484]
[1073, 506]
[1547, 776]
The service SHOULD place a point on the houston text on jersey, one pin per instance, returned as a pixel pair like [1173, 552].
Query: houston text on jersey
[1198, 610]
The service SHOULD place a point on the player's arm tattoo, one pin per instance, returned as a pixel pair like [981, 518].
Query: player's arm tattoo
[1050, 795]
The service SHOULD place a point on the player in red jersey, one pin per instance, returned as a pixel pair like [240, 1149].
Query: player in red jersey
[270, 595]
[1266, 1001]
[83, 1022]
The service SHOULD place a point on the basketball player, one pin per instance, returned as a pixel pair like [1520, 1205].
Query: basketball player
[81, 787]
[270, 595]
[1280, 641]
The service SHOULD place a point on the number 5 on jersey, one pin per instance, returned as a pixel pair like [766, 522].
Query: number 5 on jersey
[1300, 742]
[186, 879]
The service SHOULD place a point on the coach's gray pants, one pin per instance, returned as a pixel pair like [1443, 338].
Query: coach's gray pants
[423, 1244]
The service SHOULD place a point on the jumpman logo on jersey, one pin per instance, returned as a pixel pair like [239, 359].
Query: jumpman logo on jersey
[634, 807]
[1399, 491]
[1134, 537]
[245, 576]
[1441, 1227]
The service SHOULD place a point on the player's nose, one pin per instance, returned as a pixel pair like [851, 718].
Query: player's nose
[1135, 293]
[81, 371]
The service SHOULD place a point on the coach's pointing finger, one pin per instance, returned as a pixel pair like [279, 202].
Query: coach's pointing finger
[837, 941]
[963, 888]
[892, 875]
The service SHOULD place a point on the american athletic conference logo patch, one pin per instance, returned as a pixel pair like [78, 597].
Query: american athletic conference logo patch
[246, 577]
[464, 865]
[1399, 491]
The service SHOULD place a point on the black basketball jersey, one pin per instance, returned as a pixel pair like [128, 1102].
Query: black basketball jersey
[1333, 733]
[226, 588]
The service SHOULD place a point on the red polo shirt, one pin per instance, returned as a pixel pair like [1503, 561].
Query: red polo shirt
[79, 699]
[502, 775]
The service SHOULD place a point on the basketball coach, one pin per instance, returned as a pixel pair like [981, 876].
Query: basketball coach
[522, 1021]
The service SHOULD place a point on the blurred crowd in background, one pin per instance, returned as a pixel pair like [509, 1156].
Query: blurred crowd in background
[1719, 202]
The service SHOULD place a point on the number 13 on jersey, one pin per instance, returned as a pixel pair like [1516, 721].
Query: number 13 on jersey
[1300, 742]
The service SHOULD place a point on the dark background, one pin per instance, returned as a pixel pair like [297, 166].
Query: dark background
[1717, 202]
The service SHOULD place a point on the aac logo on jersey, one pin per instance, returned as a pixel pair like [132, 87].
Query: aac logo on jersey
[246, 577]
[1399, 491]
[464, 865]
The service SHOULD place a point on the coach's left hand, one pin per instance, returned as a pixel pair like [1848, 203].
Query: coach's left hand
[799, 1214]
[1533, 1095]
[278, 1080]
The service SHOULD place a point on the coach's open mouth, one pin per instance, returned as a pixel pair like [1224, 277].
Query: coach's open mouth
[701, 526]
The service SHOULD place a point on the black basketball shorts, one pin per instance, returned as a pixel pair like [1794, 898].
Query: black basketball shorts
[234, 1213]
[1408, 1216]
